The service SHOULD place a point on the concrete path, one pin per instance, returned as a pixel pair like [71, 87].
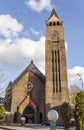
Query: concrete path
[24, 128]
[37, 127]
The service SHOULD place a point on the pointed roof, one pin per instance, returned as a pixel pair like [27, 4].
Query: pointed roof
[53, 16]
[33, 70]
[53, 12]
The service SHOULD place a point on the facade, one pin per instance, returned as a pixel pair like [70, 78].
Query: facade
[25, 96]
[32, 95]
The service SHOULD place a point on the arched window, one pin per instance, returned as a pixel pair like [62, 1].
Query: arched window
[50, 24]
[58, 23]
[54, 23]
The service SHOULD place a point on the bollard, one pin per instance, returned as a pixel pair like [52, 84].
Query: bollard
[22, 121]
[52, 116]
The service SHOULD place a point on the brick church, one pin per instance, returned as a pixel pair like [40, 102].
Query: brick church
[31, 94]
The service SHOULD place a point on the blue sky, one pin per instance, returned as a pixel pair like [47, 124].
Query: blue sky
[22, 35]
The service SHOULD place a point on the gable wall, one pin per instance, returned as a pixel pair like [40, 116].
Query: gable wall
[19, 92]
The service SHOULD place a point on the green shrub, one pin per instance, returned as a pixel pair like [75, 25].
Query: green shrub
[79, 111]
[65, 114]
[2, 112]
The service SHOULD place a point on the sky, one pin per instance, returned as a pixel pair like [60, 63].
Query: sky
[22, 36]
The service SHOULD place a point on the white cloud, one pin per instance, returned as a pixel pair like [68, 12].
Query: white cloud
[73, 76]
[12, 54]
[9, 27]
[39, 5]
[26, 34]
[15, 50]
[34, 31]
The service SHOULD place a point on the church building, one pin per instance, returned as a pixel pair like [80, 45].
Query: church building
[31, 94]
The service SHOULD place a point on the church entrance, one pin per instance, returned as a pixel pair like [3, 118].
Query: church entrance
[28, 113]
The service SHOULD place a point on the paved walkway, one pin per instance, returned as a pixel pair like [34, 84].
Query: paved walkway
[24, 128]
[29, 127]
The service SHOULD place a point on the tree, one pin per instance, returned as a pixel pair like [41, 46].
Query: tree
[2, 112]
[5, 93]
[3, 84]
[65, 114]
[74, 89]
[79, 111]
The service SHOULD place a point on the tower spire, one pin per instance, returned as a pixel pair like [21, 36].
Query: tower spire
[53, 12]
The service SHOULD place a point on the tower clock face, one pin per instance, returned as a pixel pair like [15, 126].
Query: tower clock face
[29, 86]
[55, 36]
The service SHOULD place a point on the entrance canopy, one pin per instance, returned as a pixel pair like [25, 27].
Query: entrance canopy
[27, 100]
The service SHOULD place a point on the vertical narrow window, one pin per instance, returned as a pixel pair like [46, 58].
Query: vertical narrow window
[56, 71]
[53, 71]
[59, 71]
[52, 61]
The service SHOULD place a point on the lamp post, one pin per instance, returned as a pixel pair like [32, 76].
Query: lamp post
[52, 116]
[79, 74]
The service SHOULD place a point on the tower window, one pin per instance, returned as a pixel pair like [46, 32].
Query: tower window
[54, 23]
[50, 23]
[58, 23]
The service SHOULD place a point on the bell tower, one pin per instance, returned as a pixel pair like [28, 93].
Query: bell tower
[56, 89]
